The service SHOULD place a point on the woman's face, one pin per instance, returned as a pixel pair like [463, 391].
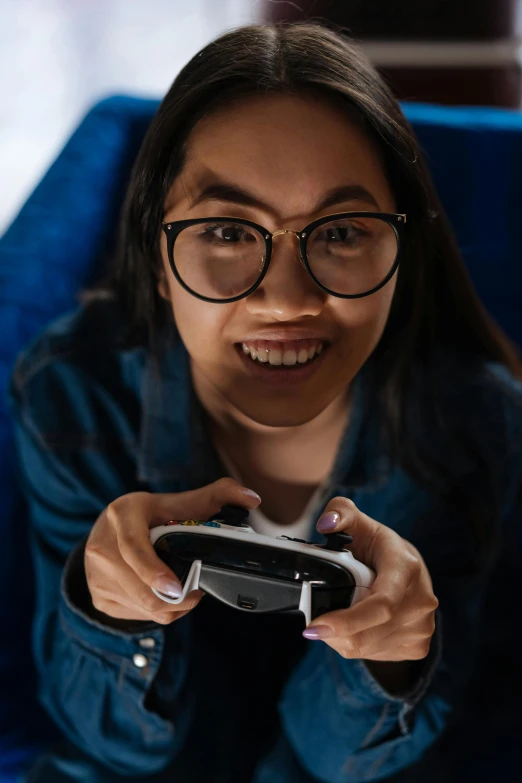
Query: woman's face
[288, 154]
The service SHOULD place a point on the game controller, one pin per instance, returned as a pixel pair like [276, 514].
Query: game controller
[227, 559]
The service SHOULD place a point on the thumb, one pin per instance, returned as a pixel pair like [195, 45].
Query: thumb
[341, 515]
[202, 503]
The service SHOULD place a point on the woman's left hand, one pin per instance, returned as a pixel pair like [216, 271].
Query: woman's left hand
[397, 619]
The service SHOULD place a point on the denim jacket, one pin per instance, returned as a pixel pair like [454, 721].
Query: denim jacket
[224, 695]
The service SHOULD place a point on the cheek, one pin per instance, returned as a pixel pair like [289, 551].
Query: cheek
[200, 324]
[362, 323]
[382, 305]
[367, 315]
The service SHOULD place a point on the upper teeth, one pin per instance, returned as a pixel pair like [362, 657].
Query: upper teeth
[286, 356]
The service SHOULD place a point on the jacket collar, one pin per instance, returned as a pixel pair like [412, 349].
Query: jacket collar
[175, 451]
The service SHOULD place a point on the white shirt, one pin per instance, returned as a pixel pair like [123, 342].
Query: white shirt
[301, 528]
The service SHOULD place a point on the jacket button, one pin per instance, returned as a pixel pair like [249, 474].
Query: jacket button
[140, 661]
[147, 643]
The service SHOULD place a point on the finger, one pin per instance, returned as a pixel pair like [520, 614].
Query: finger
[142, 596]
[373, 611]
[202, 503]
[130, 592]
[410, 635]
[121, 612]
[371, 539]
[414, 653]
[100, 560]
[382, 640]
[384, 603]
[379, 611]
[127, 519]
[133, 534]
[397, 563]
[389, 601]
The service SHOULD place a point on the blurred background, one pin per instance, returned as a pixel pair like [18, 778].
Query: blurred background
[58, 57]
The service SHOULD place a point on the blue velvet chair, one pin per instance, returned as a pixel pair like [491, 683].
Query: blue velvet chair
[61, 240]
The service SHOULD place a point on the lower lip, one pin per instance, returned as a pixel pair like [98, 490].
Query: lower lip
[281, 375]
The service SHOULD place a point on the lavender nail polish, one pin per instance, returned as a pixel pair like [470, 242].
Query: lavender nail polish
[251, 494]
[168, 587]
[328, 522]
[317, 632]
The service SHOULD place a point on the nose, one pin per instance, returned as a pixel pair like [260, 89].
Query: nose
[287, 291]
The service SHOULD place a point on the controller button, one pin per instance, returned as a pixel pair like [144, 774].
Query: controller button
[148, 643]
[336, 542]
[211, 524]
[231, 515]
[140, 661]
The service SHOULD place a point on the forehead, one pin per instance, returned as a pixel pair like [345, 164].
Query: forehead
[288, 150]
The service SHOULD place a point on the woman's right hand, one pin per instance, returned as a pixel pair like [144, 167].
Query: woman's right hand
[121, 565]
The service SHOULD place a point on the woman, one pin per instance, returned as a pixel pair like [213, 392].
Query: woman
[288, 327]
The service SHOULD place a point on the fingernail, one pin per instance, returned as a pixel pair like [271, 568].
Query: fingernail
[250, 493]
[318, 632]
[165, 585]
[328, 522]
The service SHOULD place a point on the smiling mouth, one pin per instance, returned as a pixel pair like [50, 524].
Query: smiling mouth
[278, 355]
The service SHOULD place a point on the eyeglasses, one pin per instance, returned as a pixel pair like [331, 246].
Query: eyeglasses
[223, 259]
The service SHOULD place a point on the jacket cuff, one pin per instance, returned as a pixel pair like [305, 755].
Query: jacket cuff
[82, 621]
[355, 678]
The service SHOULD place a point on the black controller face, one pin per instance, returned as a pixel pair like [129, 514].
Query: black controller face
[256, 577]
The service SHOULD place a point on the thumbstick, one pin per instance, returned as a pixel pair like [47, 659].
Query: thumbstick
[232, 515]
[337, 541]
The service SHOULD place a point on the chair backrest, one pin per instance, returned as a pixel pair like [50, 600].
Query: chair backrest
[475, 158]
[62, 238]
[57, 245]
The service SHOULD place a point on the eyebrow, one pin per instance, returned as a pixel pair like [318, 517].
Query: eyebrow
[226, 192]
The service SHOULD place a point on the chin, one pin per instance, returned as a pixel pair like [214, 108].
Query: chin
[271, 413]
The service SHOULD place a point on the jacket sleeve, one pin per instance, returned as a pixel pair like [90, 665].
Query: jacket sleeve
[102, 685]
[342, 725]
[345, 728]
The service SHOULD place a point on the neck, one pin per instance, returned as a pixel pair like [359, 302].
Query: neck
[304, 452]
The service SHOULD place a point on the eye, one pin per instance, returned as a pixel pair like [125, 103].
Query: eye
[227, 233]
[338, 234]
[343, 235]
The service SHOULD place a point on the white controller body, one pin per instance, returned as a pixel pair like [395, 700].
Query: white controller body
[363, 576]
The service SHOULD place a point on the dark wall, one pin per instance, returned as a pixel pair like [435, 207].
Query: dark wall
[428, 21]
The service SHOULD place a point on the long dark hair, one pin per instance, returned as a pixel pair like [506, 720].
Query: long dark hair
[438, 334]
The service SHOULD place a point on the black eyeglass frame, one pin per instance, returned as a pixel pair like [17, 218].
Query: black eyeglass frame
[172, 230]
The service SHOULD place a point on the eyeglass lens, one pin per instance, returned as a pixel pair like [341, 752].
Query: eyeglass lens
[222, 260]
